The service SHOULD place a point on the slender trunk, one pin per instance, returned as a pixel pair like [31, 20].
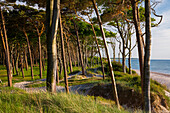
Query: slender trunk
[29, 49]
[40, 56]
[108, 57]
[129, 60]
[63, 56]
[69, 56]
[57, 74]
[26, 61]
[78, 62]
[91, 56]
[13, 66]
[16, 63]
[139, 38]
[123, 57]
[99, 52]
[147, 103]
[22, 66]
[6, 48]
[79, 49]
[119, 52]
[114, 55]
[52, 17]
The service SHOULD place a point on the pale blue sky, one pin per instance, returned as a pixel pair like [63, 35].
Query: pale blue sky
[160, 35]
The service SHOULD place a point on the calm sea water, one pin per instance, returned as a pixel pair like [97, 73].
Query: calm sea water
[161, 66]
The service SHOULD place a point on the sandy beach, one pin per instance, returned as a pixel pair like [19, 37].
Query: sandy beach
[162, 78]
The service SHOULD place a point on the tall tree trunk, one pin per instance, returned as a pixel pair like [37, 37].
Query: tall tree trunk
[129, 59]
[29, 49]
[16, 63]
[26, 61]
[78, 62]
[40, 56]
[147, 103]
[6, 48]
[79, 49]
[99, 51]
[139, 38]
[108, 57]
[92, 56]
[57, 74]
[22, 66]
[123, 57]
[69, 56]
[63, 56]
[52, 17]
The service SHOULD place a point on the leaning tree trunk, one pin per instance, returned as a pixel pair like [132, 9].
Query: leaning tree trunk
[57, 74]
[26, 61]
[69, 56]
[40, 56]
[6, 48]
[29, 49]
[22, 66]
[52, 17]
[129, 59]
[79, 49]
[63, 56]
[139, 38]
[147, 104]
[108, 57]
[123, 56]
[99, 51]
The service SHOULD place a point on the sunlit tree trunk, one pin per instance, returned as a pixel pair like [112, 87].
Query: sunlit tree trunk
[108, 57]
[139, 38]
[146, 85]
[99, 52]
[29, 49]
[40, 56]
[63, 56]
[6, 48]
[52, 17]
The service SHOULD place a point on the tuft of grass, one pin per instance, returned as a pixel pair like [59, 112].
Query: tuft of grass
[21, 102]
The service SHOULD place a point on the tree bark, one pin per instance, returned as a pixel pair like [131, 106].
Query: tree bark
[26, 61]
[52, 17]
[22, 66]
[99, 52]
[63, 56]
[147, 104]
[40, 56]
[57, 74]
[139, 38]
[79, 49]
[29, 49]
[108, 57]
[69, 56]
[6, 48]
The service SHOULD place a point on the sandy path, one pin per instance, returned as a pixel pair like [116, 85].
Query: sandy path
[162, 78]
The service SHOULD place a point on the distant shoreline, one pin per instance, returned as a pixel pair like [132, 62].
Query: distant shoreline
[162, 78]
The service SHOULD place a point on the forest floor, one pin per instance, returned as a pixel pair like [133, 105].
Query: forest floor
[159, 77]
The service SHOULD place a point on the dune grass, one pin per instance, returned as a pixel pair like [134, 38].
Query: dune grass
[14, 100]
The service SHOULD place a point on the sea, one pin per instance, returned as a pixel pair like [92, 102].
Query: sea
[160, 66]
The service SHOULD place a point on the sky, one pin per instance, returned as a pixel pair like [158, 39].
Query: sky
[160, 48]
[161, 34]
